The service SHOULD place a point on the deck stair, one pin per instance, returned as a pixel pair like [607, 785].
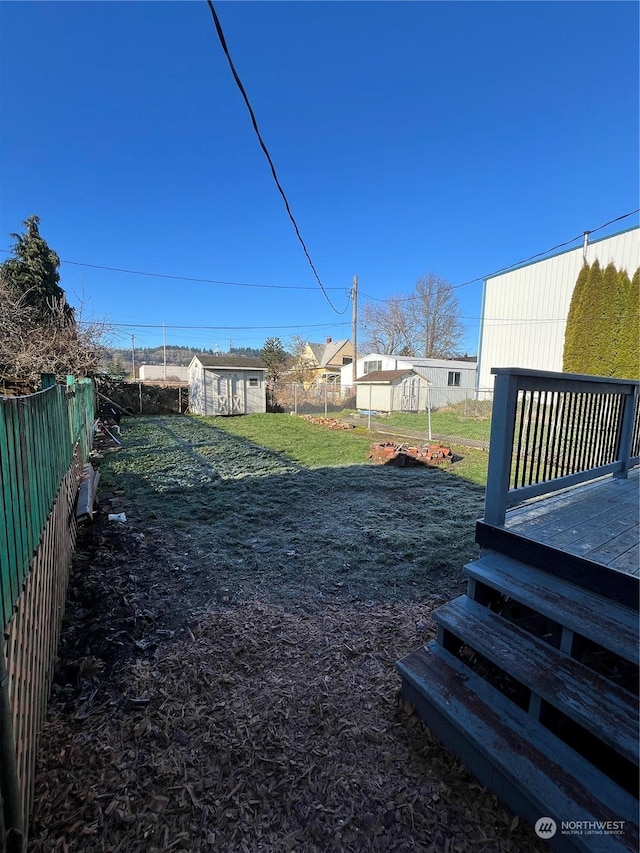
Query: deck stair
[533, 683]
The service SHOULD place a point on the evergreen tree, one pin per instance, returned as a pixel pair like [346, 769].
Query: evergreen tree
[606, 322]
[32, 274]
[274, 356]
[588, 332]
[627, 360]
[573, 342]
[38, 329]
[593, 332]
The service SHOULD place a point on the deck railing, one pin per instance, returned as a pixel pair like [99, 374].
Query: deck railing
[553, 430]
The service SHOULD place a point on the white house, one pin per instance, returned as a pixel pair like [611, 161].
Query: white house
[524, 311]
[227, 385]
[449, 380]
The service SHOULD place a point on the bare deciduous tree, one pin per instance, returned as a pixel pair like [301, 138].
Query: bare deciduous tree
[426, 323]
[387, 328]
[31, 344]
[436, 317]
[302, 366]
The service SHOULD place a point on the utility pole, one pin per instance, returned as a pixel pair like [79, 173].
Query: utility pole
[133, 356]
[164, 349]
[354, 324]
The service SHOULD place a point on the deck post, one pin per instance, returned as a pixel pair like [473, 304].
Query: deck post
[505, 397]
[626, 432]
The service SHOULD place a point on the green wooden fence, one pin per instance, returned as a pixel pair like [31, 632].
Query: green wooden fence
[38, 438]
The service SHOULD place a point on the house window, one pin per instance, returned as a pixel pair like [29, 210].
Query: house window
[253, 383]
[372, 366]
[453, 378]
[346, 359]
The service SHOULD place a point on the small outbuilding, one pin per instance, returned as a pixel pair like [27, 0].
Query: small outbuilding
[449, 380]
[392, 391]
[227, 385]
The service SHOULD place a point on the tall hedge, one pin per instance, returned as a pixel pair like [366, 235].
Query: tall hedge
[572, 358]
[627, 360]
[602, 337]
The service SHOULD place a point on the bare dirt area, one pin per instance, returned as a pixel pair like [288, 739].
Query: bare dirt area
[226, 678]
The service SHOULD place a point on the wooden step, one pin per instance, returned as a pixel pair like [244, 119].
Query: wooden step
[509, 752]
[594, 702]
[600, 620]
[616, 586]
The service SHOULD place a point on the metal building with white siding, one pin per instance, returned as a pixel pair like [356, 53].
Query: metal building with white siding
[524, 311]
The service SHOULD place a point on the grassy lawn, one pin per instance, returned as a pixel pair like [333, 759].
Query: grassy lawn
[298, 439]
[315, 446]
[447, 422]
[280, 507]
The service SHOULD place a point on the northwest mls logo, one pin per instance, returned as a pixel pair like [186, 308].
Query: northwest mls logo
[546, 827]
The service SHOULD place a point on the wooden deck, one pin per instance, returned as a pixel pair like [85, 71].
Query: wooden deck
[533, 677]
[598, 521]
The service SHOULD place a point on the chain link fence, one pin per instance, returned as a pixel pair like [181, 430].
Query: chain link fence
[321, 398]
[455, 415]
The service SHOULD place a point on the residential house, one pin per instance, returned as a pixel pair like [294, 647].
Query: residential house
[325, 362]
[449, 380]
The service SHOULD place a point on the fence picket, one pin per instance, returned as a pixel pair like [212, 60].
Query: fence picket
[44, 440]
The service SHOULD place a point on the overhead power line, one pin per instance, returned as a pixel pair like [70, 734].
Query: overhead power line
[214, 328]
[548, 251]
[254, 122]
[190, 278]
[517, 263]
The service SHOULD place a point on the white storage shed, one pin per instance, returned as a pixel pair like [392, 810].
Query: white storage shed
[227, 385]
[392, 391]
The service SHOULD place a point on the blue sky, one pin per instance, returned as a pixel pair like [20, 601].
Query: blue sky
[449, 137]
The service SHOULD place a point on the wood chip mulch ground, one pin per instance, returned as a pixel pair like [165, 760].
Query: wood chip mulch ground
[262, 730]
[241, 725]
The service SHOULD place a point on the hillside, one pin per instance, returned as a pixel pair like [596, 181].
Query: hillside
[119, 361]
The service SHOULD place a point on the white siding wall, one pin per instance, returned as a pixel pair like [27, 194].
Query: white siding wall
[156, 371]
[256, 399]
[525, 311]
[374, 397]
[396, 396]
[196, 389]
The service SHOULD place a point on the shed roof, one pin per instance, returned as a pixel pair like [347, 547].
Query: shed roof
[237, 361]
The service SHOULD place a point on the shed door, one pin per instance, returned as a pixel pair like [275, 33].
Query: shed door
[224, 394]
[410, 394]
